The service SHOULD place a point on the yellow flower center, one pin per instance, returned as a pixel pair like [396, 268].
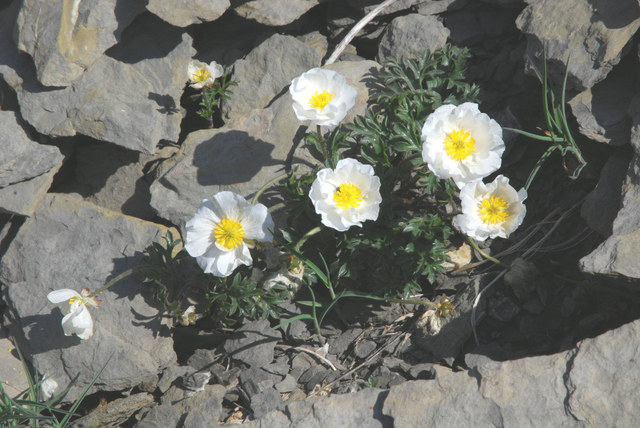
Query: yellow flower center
[73, 299]
[320, 101]
[202, 75]
[459, 144]
[348, 196]
[229, 233]
[493, 210]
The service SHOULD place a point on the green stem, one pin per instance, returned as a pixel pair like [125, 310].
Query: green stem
[538, 165]
[306, 236]
[321, 140]
[276, 207]
[485, 255]
[263, 188]
[123, 275]
[207, 102]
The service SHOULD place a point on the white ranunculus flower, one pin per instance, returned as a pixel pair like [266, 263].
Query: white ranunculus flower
[201, 74]
[223, 230]
[47, 387]
[461, 143]
[322, 96]
[77, 320]
[490, 210]
[346, 196]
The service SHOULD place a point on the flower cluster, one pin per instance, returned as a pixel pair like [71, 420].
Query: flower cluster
[464, 144]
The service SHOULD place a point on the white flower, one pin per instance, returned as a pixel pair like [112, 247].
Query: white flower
[322, 96]
[223, 230]
[201, 74]
[461, 143]
[189, 316]
[78, 320]
[346, 196]
[490, 210]
[47, 387]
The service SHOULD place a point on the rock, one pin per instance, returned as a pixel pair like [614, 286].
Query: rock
[617, 256]
[601, 111]
[267, 71]
[265, 401]
[359, 409]
[592, 37]
[603, 378]
[448, 343]
[594, 383]
[439, 6]
[274, 12]
[253, 343]
[160, 416]
[187, 12]
[464, 26]
[255, 380]
[502, 308]
[85, 246]
[208, 402]
[341, 344]
[115, 412]
[115, 178]
[366, 6]
[244, 154]
[601, 206]
[26, 167]
[65, 38]
[410, 35]
[364, 348]
[130, 97]
[12, 375]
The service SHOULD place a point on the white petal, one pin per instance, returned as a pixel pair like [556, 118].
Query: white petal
[78, 322]
[257, 223]
[62, 295]
[48, 387]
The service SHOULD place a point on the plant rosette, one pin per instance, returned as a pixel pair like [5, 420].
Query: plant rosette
[461, 143]
[78, 319]
[347, 195]
[201, 74]
[223, 230]
[490, 210]
[322, 96]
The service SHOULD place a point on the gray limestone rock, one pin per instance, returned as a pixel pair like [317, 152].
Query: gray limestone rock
[253, 343]
[160, 416]
[410, 35]
[69, 243]
[618, 256]
[601, 205]
[603, 378]
[182, 13]
[601, 111]
[26, 167]
[130, 97]
[591, 35]
[266, 72]
[114, 178]
[65, 37]
[115, 412]
[274, 12]
[434, 7]
[455, 331]
[246, 153]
